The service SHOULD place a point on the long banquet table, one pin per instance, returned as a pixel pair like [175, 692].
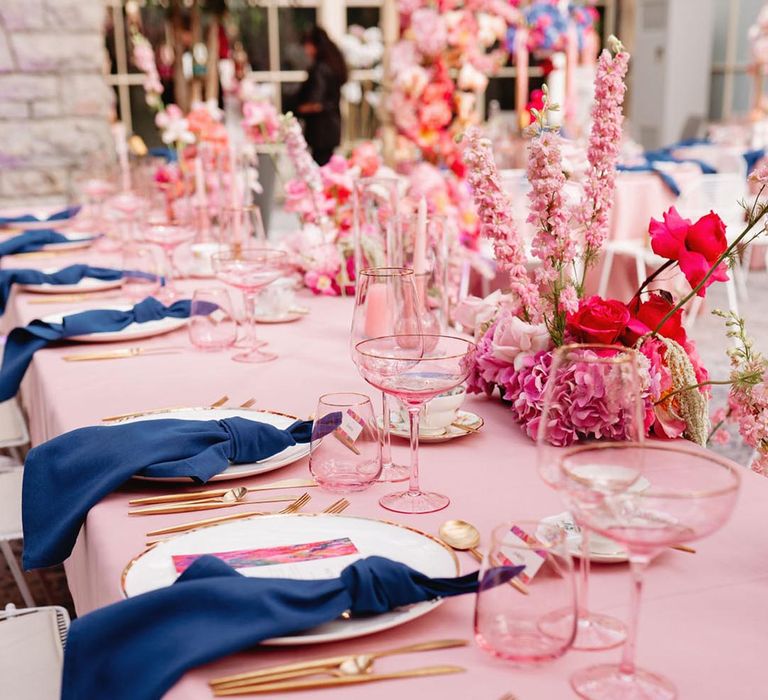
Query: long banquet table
[704, 617]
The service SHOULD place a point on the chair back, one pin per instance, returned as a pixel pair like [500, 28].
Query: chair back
[32, 644]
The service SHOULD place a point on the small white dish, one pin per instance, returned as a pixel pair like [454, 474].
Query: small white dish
[471, 420]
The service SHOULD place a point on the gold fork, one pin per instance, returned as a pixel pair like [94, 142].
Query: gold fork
[337, 506]
[299, 503]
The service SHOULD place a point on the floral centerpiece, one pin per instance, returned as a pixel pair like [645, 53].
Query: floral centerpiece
[517, 332]
[441, 63]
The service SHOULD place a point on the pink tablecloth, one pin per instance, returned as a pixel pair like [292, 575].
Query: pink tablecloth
[704, 618]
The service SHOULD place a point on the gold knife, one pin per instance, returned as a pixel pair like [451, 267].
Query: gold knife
[119, 354]
[214, 493]
[340, 681]
[192, 506]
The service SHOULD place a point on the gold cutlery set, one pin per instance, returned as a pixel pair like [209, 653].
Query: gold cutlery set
[349, 669]
[121, 354]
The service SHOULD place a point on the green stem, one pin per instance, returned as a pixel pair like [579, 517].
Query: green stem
[711, 271]
[692, 386]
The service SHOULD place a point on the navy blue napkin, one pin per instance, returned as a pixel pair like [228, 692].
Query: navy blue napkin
[664, 155]
[62, 215]
[30, 241]
[23, 342]
[66, 476]
[68, 275]
[666, 178]
[138, 648]
[752, 157]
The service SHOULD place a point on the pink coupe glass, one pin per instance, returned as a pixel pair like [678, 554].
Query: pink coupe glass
[168, 236]
[414, 368]
[251, 270]
[648, 496]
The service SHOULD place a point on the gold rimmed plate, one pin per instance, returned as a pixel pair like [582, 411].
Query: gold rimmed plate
[352, 538]
[234, 471]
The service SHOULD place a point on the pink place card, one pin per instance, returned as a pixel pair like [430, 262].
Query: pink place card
[511, 555]
[270, 556]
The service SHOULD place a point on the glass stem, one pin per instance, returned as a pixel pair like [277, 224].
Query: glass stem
[169, 271]
[386, 438]
[414, 413]
[582, 609]
[637, 566]
[250, 299]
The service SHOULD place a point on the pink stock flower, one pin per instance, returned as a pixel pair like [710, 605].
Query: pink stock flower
[495, 212]
[604, 148]
[261, 121]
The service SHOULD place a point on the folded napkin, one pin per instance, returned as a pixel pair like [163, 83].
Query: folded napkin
[68, 275]
[62, 215]
[752, 157]
[664, 155]
[30, 241]
[666, 178]
[65, 477]
[138, 648]
[23, 342]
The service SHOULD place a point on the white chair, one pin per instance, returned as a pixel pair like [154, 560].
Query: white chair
[13, 429]
[32, 642]
[721, 193]
[10, 523]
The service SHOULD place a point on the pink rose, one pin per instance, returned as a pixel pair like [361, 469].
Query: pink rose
[696, 247]
[474, 312]
[514, 339]
[435, 115]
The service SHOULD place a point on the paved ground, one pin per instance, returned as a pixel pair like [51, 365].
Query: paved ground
[49, 586]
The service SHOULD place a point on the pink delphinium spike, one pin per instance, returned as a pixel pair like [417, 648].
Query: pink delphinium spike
[497, 223]
[604, 147]
[307, 170]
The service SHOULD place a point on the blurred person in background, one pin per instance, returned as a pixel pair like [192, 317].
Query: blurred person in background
[317, 102]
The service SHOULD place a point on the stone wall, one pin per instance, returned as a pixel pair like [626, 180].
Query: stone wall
[54, 102]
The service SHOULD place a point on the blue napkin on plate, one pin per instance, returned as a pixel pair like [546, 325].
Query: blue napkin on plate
[30, 241]
[138, 648]
[68, 275]
[62, 215]
[66, 476]
[664, 155]
[23, 342]
[666, 178]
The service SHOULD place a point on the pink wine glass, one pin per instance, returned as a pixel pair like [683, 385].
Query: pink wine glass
[576, 371]
[250, 270]
[648, 497]
[414, 368]
[168, 236]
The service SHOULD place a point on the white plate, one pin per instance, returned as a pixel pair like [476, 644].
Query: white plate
[76, 241]
[471, 420]
[154, 568]
[133, 332]
[87, 284]
[287, 317]
[234, 471]
[602, 550]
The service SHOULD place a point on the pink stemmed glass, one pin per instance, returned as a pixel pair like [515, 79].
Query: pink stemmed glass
[578, 373]
[251, 270]
[385, 303]
[414, 368]
[648, 497]
[168, 236]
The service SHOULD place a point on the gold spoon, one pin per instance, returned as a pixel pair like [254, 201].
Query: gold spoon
[465, 537]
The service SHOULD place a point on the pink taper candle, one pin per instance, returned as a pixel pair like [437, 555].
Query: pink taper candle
[521, 84]
[377, 311]
[235, 203]
[420, 240]
[571, 63]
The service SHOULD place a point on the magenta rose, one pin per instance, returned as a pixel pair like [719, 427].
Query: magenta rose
[696, 247]
[598, 320]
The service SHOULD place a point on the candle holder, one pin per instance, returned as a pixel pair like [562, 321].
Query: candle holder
[376, 235]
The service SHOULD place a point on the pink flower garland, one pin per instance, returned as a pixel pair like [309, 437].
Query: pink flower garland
[604, 148]
[495, 213]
